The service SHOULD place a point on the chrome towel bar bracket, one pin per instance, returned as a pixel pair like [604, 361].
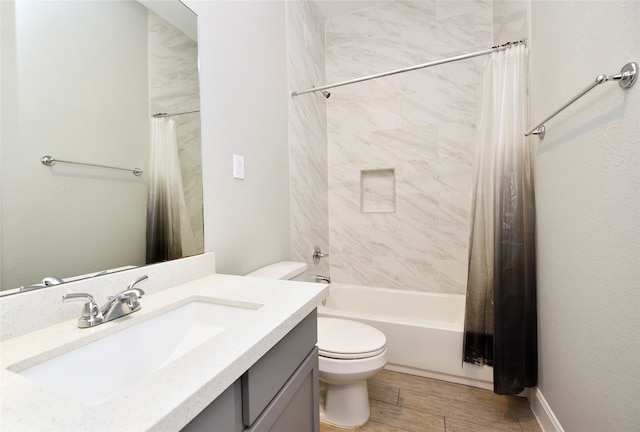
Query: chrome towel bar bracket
[626, 78]
[50, 161]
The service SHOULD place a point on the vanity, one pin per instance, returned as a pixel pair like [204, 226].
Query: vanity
[247, 361]
[278, 393]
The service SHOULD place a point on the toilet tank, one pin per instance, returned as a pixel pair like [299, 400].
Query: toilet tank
[280, 270]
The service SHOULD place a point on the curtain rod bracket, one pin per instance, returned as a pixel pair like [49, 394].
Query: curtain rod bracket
[628, 75]
[540, 131]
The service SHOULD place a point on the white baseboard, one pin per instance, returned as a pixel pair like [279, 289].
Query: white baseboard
[543, 412]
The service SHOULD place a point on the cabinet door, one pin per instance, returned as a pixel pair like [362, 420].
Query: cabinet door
[223, 414]
[265, 378]
[296, 406]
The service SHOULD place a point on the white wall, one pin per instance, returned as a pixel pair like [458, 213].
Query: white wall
[588, 204]
[243, 81]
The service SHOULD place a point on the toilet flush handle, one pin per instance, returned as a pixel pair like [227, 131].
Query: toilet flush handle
[317, 254]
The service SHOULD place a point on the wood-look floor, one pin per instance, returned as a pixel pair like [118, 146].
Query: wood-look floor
[407, 403]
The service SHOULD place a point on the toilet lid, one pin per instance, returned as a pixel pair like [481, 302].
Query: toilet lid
[346, 339]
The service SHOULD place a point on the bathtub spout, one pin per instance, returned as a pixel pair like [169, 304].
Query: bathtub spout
[322, 279]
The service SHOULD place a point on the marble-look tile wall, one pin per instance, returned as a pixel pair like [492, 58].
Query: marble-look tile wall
[307, 136]
[175, 87]
[510, 20]
[420, 125]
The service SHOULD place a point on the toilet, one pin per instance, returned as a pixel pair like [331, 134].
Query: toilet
[350, 353]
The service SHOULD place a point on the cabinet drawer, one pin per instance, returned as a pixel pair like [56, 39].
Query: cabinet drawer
[263, 380]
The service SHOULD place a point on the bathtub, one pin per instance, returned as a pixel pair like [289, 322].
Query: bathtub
[424, 330]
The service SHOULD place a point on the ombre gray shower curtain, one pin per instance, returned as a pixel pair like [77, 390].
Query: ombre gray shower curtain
[500, 327]
[169, 232]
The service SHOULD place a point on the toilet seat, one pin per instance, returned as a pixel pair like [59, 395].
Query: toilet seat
[348, 340]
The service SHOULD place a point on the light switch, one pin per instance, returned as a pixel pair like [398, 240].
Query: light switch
[238, 166]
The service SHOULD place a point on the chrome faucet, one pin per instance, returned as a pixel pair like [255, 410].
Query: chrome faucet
[51, 280]
[123, 303]
[46, 281]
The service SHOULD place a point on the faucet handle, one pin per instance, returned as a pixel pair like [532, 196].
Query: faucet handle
[131, 294]
[317, 254]
[140, 279]
[90, 315]
[88, 298]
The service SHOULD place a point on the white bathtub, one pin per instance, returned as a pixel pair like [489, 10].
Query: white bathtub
[424, 330]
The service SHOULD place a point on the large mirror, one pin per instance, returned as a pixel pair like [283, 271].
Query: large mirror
[80, 82]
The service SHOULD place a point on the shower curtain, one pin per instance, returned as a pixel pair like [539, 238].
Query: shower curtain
[169, 232]
[500, 327]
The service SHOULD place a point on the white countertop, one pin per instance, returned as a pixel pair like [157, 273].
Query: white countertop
[171, 397]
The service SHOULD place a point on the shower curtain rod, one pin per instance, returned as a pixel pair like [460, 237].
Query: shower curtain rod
[159, 115]
[409, 69]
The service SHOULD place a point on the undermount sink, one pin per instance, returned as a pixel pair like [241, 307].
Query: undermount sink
[95, 372]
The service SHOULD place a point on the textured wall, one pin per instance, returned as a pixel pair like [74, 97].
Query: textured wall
[419, 128]
[244, 87]
[588, 201]
[307, 136]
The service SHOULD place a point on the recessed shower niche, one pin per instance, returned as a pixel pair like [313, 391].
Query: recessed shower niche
[378, 191]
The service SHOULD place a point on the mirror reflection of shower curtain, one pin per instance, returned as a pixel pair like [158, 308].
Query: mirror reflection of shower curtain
[169, 232]
[500, 316]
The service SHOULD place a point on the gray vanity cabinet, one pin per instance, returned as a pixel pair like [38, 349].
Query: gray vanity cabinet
[279, 393]
[223, 414]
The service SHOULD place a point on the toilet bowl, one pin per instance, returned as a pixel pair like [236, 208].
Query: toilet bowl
[350, 353]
